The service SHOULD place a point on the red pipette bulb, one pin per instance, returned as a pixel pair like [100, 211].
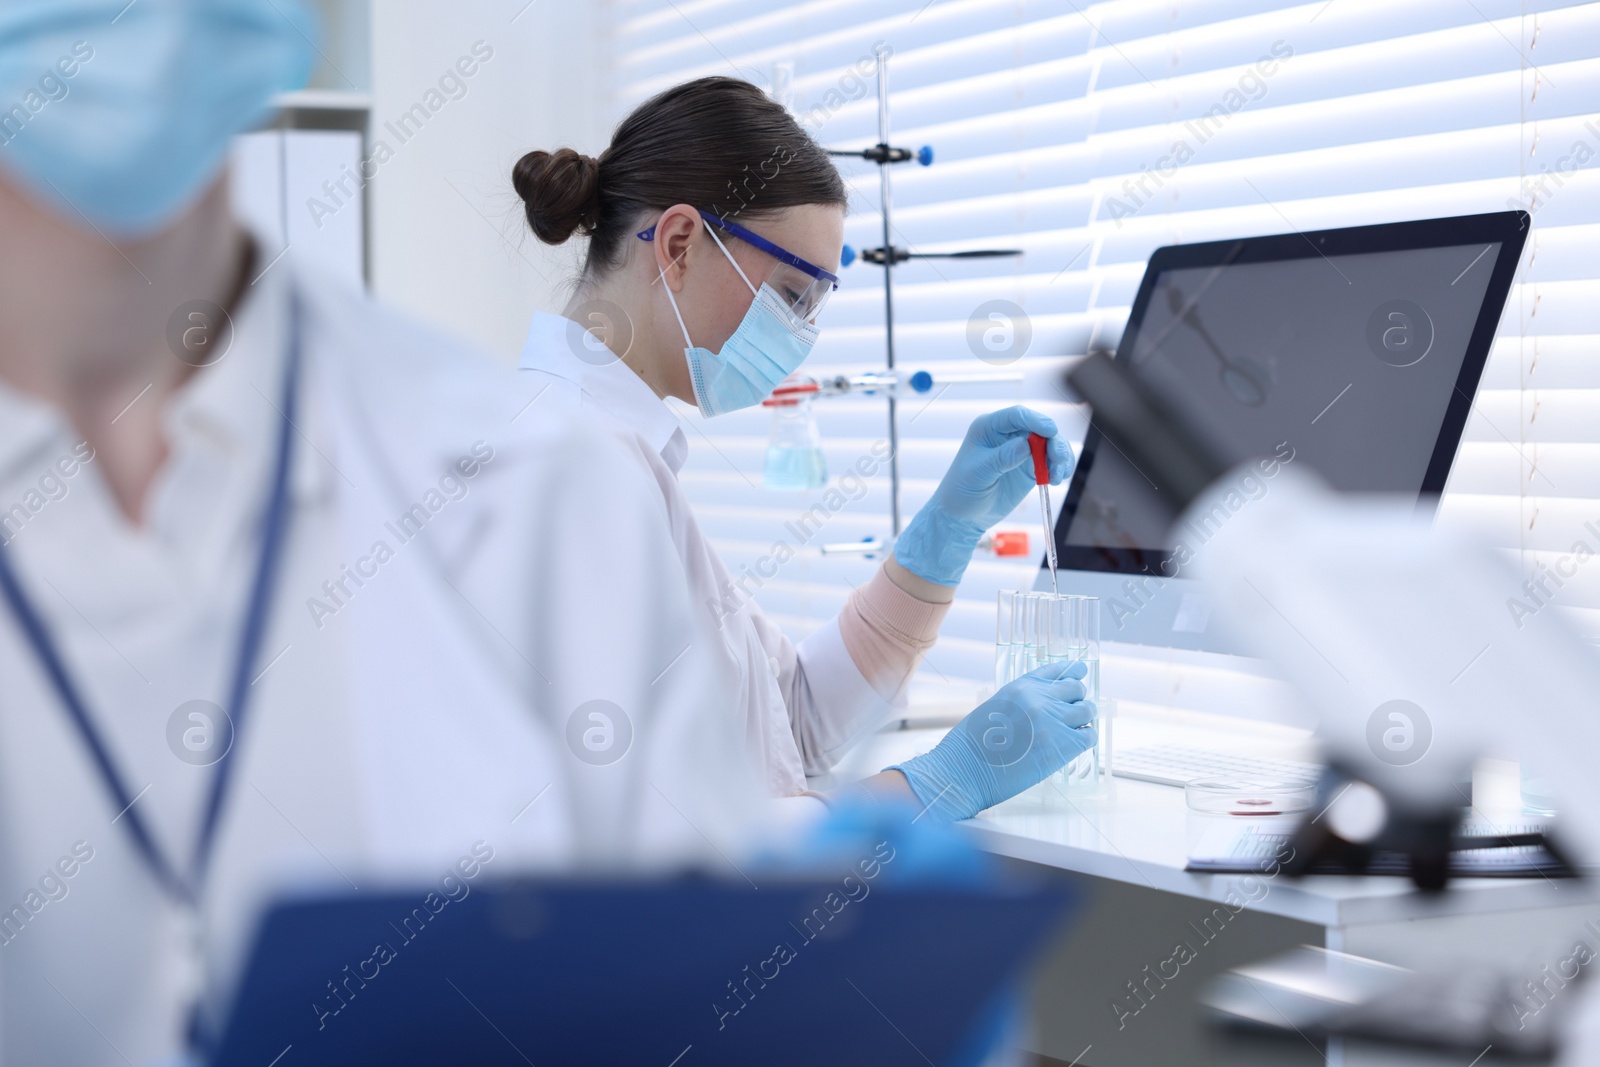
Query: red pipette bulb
[1039, 445]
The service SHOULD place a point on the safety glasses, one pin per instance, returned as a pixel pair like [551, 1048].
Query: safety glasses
[803, 285]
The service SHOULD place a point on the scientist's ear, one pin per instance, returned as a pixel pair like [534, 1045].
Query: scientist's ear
[677, 232]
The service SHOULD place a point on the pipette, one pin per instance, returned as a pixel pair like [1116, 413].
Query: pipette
[1039, 445]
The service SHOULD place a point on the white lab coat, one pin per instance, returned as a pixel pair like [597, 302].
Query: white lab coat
[396, 721]
[800, 707]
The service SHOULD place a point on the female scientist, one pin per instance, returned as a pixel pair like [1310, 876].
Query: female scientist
[715, 226]
[282, 597]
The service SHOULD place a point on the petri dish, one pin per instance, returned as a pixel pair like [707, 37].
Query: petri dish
[1246, 796]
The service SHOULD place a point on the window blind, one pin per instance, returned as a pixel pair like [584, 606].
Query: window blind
[1087, 135]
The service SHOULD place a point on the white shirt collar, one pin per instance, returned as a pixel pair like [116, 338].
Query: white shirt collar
[28, 428]
[232, 410]
[220, 400]
[221, 426]
[561, 347]
[202, 510]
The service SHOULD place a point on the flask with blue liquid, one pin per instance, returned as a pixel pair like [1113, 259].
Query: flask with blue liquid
[794, 451]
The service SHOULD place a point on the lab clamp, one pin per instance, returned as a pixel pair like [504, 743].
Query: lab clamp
[794, 453]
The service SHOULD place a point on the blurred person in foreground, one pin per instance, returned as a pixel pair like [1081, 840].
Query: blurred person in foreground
[278, 595]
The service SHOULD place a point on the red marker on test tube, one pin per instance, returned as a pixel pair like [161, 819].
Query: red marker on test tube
[1039, 446]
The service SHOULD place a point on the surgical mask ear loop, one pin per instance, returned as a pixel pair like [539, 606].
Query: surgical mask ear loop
[731, 260]
[662, 277]
[674, 302]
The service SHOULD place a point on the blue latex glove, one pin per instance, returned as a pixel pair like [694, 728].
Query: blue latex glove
[910, 851]
[990, 476]
[1027, 731]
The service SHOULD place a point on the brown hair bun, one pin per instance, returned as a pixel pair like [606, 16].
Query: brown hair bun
[718, 144]
[560, 193]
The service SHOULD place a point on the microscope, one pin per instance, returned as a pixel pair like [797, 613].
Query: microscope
[1405, 639]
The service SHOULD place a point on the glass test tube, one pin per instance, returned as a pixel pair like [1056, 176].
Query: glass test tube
[1028, 633]
[1073, 634]
[1004, 642]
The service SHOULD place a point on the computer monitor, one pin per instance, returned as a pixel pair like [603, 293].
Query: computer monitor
[1353, 352]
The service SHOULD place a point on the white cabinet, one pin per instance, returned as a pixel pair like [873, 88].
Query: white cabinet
[298, 183]
[301, 191]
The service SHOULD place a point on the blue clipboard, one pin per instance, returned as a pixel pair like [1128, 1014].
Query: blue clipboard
[686, 973]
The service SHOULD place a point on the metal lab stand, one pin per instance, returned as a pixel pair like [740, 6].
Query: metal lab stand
[887, 257]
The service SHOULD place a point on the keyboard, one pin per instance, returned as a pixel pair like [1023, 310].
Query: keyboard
[1180, 764]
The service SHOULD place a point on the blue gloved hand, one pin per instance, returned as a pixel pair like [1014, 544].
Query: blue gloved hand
[990, 476]
[1027, 731]
[910, 851]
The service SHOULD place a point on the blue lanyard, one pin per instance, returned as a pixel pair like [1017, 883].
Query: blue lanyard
[184, 887]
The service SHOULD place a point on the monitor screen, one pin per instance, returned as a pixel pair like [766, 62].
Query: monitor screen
[1350, 362]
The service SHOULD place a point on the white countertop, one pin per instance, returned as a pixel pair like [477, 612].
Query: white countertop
[1140, 833]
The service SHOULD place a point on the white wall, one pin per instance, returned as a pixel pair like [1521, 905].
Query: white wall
[448, 242]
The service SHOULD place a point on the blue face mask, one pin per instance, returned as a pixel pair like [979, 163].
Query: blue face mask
[769, 345]
[122, 113]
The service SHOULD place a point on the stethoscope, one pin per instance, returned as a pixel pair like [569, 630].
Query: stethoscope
[182, 883]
